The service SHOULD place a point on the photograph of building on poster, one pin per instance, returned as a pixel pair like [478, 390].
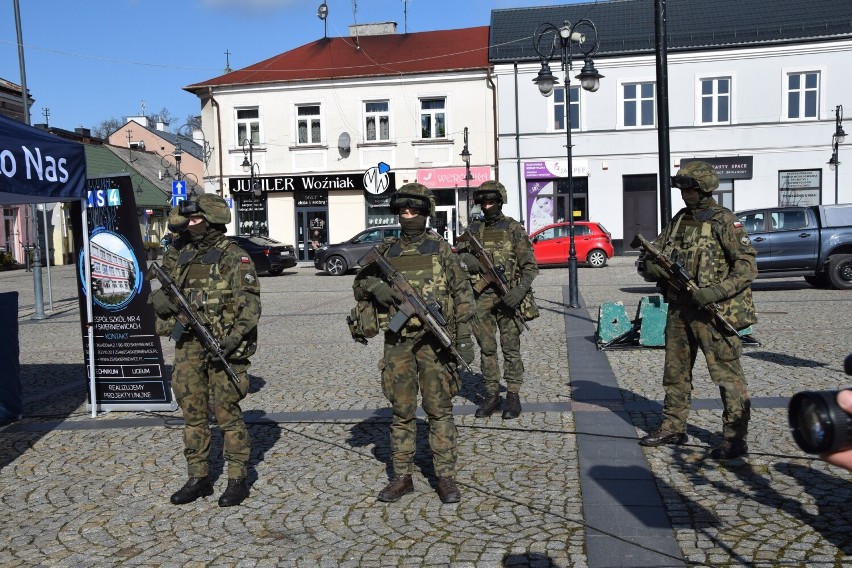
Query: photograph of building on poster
[115, 270]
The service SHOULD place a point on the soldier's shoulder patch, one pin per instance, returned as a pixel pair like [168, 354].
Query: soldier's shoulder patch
[745, 240]
[249, 277]
[738, 224]
[245, 260]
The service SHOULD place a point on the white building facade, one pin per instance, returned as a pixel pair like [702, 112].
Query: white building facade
[758, 102]
[329, 130]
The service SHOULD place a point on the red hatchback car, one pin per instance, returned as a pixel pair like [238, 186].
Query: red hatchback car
[592, 241]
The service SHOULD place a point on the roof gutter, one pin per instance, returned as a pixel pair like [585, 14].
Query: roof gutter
[219, 135]
[490, 80]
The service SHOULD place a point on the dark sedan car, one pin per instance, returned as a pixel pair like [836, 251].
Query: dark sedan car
[269, 256]
[339, 258]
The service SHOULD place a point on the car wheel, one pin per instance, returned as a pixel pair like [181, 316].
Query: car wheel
[840, 271]
[336, 266]
[596, 258]
[820, 281]
[276, 272]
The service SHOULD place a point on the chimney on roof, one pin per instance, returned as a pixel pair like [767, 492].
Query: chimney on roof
[143, 120]
[381, 28]
[84, 132]
[162, 126]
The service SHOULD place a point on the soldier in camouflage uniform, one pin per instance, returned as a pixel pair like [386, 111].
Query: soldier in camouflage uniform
[509, 246]
[716, 250]
[219, 278]
[414, 359]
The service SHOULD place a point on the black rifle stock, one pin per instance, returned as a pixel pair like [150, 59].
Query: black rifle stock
[680, 278]
[190, 318]
[413, 305]
[493, 274]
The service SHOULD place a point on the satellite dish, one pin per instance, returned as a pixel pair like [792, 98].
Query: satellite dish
[343, 142]
[322, 11]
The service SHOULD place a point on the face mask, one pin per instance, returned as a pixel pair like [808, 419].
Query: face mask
[197, 231]
[413, 226]
[492, 212]
[691, 198]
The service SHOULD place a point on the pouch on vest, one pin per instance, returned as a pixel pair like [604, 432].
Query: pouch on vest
[528, 307]
[363, 321]
[739, 310]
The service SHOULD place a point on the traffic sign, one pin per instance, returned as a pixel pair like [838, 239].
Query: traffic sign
[177, 199]
[178, 187]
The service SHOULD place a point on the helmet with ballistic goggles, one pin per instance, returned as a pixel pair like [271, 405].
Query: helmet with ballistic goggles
[209, 206]
[414, 195]
[696, 175]
[490, 191]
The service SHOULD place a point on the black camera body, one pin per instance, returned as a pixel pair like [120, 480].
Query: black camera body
[818, 424]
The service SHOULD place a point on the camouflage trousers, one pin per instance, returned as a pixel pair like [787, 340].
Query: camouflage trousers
[687, 330]
[491, 316]
[409, 366]
[195, 379]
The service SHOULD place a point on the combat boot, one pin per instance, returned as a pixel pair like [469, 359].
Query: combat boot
[661, 437]
[194, 488]
[399, 485]
[489, 406]
[235, 493]
[513, 406]
[448, 491]
[730, 449]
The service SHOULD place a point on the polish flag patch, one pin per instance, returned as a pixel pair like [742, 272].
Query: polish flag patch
[245, 260]
[738, 225]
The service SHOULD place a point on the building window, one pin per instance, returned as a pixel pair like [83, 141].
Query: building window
[432, 118]
[716, 101]
[248, 125]
[309, 124]
[559, 108]
[639, 104]
[802, 95]
[376, 121]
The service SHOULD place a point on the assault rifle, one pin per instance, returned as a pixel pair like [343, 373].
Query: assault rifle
[188, 317]
[493, 274]
[413, 305]
[680, 278]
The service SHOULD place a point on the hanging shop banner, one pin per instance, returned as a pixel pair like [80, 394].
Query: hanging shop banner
[128, 357]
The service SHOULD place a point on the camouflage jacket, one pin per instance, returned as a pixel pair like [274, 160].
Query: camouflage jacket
[509, 245]
[219, 278]
[715, 248]
[433, 270]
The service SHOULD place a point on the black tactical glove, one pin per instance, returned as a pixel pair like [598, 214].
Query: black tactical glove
[229, 344]
[163, 305]
[471, 262]
[514, 296]
[653, 271]
[708, 295]
[381, 291]
[464, 343]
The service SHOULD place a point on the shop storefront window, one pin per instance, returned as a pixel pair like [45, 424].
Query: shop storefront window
[378, 211]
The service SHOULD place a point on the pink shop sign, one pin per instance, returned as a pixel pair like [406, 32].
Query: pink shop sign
[452, 177]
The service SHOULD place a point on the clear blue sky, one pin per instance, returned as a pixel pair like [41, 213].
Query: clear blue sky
[90, 60]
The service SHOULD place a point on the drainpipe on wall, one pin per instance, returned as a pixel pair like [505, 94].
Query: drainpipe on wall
[518, 150]
[219, 135]
[493, 87]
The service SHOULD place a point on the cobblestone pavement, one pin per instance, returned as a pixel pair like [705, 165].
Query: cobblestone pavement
[94, 492]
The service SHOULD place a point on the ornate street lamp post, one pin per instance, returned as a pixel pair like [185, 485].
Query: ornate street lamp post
[837, 139]
[250, 167]
[547, 41]
[465, 156]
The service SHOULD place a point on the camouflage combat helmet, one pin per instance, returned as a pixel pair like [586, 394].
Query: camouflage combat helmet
[413, 195]
[490, 190]
[177, 222]
[699, 175]
[208, 205]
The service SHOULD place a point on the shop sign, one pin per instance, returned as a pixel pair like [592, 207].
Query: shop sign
[799, 187]
[452, 177]
[552, 169]
[316, 182]
[730, 167]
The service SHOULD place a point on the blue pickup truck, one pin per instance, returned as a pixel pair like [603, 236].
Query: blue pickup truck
[814, 242]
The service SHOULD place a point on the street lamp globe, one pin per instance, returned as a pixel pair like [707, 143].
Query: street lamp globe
[545, 80]
[589, 77]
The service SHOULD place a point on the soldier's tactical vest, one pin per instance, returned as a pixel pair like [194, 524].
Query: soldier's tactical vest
[421, 266]
[205, 287]
[692, 241]
[497, 240]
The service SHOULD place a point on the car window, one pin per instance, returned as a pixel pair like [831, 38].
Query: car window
[392, 233]
[582, 230]
[789, 220]
[546, 234]
[371, 236]
[603, 229]
[753, 222]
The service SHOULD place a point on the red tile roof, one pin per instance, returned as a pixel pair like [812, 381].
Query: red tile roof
[379, 55]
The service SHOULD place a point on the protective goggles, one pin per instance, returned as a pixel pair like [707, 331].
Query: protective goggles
[189, 208]
[685, 182]
[481, 196]
[398, 201]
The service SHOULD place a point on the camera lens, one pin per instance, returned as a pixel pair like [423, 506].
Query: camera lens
[818, 424]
